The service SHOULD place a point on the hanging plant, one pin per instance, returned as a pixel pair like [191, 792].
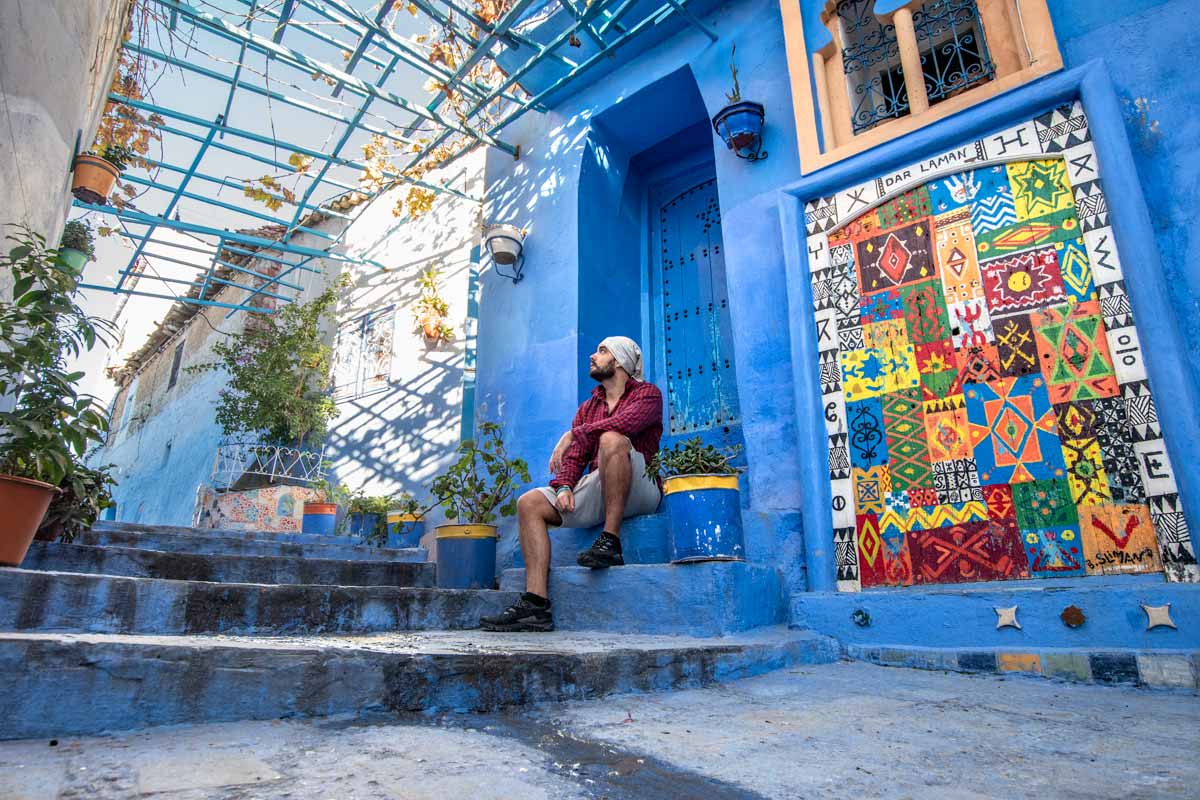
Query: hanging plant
[125, 133]
[432, 309]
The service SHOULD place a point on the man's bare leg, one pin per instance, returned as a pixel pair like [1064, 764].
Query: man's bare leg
[616, 476]
[534, 516]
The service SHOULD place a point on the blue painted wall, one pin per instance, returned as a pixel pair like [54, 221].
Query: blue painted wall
[535, 337]
[1151, 52]
[532, 335]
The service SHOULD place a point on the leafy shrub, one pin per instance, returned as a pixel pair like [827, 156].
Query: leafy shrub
[77, 235]
[693, 457]
[481, 482]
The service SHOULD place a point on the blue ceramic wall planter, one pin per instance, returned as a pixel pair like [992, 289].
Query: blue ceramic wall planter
[740, 125]
[466, 556]
[706, 518]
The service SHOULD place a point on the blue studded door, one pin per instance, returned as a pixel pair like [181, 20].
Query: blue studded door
[697, 337]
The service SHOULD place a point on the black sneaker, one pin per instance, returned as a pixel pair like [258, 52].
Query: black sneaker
[520, 616]
[604, 552]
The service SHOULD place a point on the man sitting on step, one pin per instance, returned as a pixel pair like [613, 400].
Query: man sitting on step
[616, 432]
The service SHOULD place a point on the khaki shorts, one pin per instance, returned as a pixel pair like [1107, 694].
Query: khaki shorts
[643, 497]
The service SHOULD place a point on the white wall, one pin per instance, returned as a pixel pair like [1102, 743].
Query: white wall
[56, 61]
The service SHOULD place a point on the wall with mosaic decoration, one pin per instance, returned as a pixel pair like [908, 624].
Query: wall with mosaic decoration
[988, 411]
[272, 508]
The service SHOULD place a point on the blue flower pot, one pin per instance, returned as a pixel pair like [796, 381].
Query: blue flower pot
[466, 556]
[706, 518]
[319, 518]
[740, 125]
[404, 531]
[361, 525]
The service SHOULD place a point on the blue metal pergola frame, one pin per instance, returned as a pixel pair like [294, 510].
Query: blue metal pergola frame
[363, 37]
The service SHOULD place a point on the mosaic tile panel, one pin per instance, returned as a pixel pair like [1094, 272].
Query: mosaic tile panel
[987, 406]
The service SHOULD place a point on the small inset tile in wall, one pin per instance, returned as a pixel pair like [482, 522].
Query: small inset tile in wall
[1070, 666]
[1167, 671]
[1020, 662]
[977, 662]
[1114, 667]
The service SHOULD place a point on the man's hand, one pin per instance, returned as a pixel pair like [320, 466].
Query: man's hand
[560, 450]
[564, 501]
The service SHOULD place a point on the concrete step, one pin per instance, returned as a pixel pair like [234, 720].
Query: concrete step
[126, 682]
[68, 601]
[138, 563]
[643, 541]
[195, 540]
[964, 617]
[711, 598]
[286, 537]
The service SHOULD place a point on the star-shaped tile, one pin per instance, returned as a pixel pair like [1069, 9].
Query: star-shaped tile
[1158, 615]
[1007, 618]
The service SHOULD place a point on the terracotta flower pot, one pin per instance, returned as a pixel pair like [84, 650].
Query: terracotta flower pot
[24, 502]
[94, 179]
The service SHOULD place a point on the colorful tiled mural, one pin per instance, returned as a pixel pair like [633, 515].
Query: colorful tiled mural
[988, 411]
[272, 508]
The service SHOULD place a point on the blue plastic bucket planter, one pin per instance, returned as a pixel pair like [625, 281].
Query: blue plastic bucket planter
[466, 556]
[320, 518]
[706, 518]
[404, 530]
[362, 524]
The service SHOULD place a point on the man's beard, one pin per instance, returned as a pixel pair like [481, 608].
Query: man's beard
[602, 373]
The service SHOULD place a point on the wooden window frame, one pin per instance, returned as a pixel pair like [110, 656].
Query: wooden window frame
[1020, 38]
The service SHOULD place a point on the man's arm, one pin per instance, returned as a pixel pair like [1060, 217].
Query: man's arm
[634, 416]
[573, 458]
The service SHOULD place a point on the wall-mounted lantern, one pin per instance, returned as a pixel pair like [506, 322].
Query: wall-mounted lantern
[740, 123]
[506, 243]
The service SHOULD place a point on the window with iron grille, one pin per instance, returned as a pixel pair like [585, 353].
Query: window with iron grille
[866, 71]
[362, 355]
[953, 57]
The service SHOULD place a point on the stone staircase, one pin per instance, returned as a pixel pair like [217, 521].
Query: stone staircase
[143, 625]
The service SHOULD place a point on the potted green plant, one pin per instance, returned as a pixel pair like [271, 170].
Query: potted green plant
[431, 308]
[404, 521]
[700, 485]
[475, 491]
[366, 516]
[95, 172]
[320, 513]
[83, 495]
[77, 246]
[46, 425]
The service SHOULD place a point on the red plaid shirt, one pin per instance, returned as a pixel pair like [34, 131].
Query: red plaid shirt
[638, 415]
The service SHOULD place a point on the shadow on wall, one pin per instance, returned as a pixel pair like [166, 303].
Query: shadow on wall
[400, 397]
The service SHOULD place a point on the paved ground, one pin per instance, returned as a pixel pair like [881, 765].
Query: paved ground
[835, 730]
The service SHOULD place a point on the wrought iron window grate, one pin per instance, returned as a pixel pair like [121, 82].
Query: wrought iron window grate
[870, 59]
[954, 54]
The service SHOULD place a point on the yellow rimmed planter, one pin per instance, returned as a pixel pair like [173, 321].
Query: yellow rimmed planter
[404, 530]
[706, 518]
[466, 556]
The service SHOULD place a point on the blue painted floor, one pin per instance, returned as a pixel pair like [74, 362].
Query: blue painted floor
[842, 730]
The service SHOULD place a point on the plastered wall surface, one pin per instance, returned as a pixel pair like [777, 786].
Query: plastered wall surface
[530, 352]
[399, 427]
[42, 110]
